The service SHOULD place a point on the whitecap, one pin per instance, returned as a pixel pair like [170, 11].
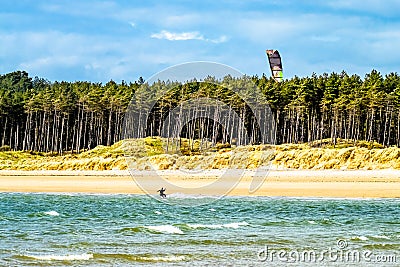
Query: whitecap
[72, 257]
[158, 212]
[235, 225]
[169, 229]
[312, 222]
[213, 226]
[218, 226]
[212, 209]
[52, 213]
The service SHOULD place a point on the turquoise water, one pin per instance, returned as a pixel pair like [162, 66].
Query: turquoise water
[131, 230]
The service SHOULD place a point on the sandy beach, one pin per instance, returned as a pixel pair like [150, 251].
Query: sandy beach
[289, 183]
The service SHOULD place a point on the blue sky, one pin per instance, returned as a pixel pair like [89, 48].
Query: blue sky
[123, 40]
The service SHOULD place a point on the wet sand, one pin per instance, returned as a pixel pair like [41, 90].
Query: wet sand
[286, 183]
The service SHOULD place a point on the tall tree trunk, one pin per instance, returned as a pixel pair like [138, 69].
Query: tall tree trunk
[3, 139]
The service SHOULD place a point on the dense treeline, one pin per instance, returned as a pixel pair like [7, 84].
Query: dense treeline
[39, 115]
[230, 110]
[36, 114]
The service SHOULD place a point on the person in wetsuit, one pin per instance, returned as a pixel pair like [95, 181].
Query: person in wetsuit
[162, 190]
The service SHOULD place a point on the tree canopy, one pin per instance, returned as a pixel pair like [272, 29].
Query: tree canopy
[36, 114]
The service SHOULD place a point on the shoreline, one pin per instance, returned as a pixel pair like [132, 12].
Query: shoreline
[278, 183]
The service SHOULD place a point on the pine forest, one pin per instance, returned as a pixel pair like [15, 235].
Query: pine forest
[39, 115]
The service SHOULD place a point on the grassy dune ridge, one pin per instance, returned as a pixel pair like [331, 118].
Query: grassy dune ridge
[143, 153]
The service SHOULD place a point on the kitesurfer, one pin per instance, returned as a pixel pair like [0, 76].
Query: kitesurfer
[162, 194]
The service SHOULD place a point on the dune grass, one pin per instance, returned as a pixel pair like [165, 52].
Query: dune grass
[152, 152]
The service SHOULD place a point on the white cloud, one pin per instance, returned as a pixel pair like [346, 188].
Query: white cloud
[316, 37]
[184, 36]
[221, 39]
[172, 36]
[57, 56]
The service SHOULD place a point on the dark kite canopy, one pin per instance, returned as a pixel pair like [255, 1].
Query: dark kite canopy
[275, 64]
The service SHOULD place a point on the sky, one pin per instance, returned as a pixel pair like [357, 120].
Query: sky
[98, 41]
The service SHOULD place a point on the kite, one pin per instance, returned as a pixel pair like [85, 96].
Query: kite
[275, 63]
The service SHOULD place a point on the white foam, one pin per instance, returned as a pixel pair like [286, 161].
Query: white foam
[212, 209]
[163, 258]
[213, 226]
[218, 226]
[312, 222]
[72, 257]
[170, 229]
[52, 213]
[158, 212]
[363, 238]
[235, 225]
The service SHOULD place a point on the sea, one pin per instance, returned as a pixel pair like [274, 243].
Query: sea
[137, 230]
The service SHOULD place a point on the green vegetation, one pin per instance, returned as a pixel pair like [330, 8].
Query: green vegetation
[68, 117]
[295, 156]
[36, 114]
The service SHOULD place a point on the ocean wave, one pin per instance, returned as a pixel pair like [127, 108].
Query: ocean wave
[380, 237]
[189, 196]
[52, 213]
[218, 226]
[362, 238]
[71, 257]
[169, 229]
[382, 246]
[132, 229]
[140, 258]
[166, 258]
